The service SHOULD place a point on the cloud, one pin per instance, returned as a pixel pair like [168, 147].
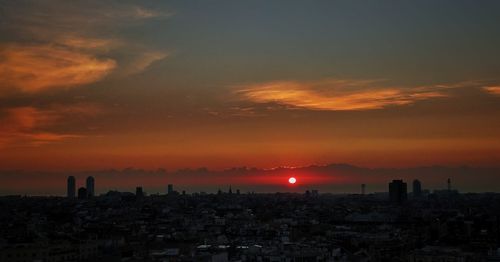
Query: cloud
[43, 20]
[88, 43]
[495, 90]
[36, 68]
[59, 44]
[143, 61]
[30, 126]
[19, 125]
[336, 94]
[144, 13]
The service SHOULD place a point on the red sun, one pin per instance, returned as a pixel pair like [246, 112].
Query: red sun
[292, 180]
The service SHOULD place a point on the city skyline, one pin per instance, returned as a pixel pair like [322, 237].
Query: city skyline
[334, 178]
[182, 85]
[234, 131]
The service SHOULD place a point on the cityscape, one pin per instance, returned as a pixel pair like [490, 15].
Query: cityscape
[249, 131]
[227, 225]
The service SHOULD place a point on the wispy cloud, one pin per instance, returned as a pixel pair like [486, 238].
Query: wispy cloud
[495, 90]
[30, 126]
[336, 94]
[60, 44]
[144, 61]
[47, 20]
[88, 43]
[35, 68]
[144, 13]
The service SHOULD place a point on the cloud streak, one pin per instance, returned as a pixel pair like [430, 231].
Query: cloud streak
[494, 90]
[30, 126]
[144, 61]
[57, 44]
[335, 94]
[37, 68]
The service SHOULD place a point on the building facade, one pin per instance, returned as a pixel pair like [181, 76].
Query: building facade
[398, 191]
[71, 187]
[417, 188]
[90, 186]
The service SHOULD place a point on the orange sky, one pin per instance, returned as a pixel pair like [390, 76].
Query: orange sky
[179, 85]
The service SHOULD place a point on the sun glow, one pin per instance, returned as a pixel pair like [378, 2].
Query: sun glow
[292, 180]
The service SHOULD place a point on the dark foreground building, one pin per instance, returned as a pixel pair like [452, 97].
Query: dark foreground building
[417, 188]
[398, 191]
[71, 187]
[90, 186]
[82, 193]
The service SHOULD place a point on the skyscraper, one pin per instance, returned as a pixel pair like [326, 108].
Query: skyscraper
[398, 191]
[71, 190]
[417, 188]
[170, 189]
[449, 184]
[90, 186]
[363, 189]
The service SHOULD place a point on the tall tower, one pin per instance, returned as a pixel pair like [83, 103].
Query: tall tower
[398, 191]
[71, 187]
[417, 188]
[449, 184]
[90, 186]
[170, 189]
[363, 189]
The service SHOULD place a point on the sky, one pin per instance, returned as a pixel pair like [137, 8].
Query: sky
[94, 85]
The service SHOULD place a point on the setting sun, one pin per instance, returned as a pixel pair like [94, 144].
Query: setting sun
[292, 180]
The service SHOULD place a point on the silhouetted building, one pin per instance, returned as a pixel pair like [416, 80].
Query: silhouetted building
[139, 192]
[417, 188]
[82, 193]
[170, 189]
[71, 187]
[90, 186]
[230, 190]
[363, 189]
[398, 191]
[446, 192]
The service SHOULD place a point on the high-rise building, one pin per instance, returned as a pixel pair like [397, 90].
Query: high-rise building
[82, 193]
[90, 186]
[449, 184]
[398, 191]
[71, 187]
[417, 188]
[139, 192]
[170, 189]
[363, 189]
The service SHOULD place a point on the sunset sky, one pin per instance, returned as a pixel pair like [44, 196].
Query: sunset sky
[93, 85]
